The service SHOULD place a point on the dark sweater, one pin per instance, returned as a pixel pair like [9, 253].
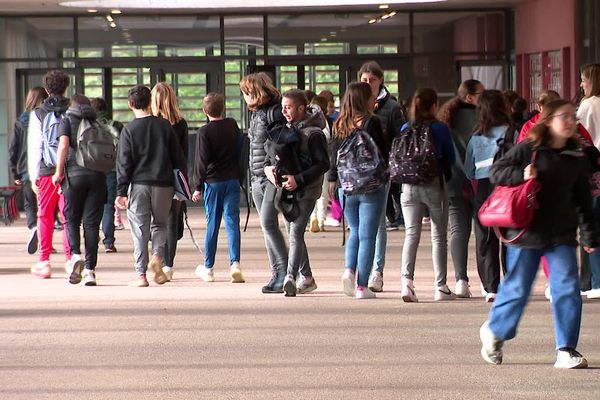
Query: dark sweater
[216, 148]
[148, 153]
[181, 132]
[18, 148]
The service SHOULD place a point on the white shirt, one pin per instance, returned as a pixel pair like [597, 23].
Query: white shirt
[588, 114]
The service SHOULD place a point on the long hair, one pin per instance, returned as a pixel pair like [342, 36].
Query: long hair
[354, 108]
[372, 67]
[421, 106]
[446, 112]
[260, 87]
[35, 97]
[591, 72]
[540, 134]
[492, 110]
[164, 103]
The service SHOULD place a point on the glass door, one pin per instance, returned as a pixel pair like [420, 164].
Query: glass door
[31, 77]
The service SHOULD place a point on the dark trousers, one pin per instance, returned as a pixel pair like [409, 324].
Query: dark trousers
[30, 204]
[393, 210]
[487, 243]
[589, 275]
[172, 232]
[84, 202]
[108, 218]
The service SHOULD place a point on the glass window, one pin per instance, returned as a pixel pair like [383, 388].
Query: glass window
[338, 33]
[244, 35]
[459, 32]
[190, 89]
[93, 80]
[323, 77]
[36, 37]
[122, 80]
[235, 106]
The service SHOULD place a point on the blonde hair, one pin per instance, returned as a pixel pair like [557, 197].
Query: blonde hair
[591, 72]
[164, 103]
[355, 107]
[260, 87]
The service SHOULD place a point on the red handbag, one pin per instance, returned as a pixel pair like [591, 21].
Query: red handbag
[511, 207]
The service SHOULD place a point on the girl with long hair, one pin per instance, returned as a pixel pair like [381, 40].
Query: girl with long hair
[164, 105]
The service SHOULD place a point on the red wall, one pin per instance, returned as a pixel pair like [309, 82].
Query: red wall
[546, 25]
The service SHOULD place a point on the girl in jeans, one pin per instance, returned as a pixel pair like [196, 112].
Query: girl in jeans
[565, 204]
[362, 211]
[416, 200]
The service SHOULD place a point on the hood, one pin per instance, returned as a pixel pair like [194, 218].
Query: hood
[314, 117]
[24, 117]
[56, 104]
[82, 111]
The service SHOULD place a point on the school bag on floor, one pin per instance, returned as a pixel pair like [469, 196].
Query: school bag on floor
[50, 125]
[412, 157]
[96, 146]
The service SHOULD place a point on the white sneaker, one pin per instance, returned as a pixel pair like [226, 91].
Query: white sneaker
[593, 294]
[548, 293]
[206, 274]
[236, 273]
[443, 293]
[89, 277]
[306, 284]
[331, 222]
[570, 359]
[289, 286]
[74, 267]
[408, 291]
[348, 282]
[483, 291]
[491, 346]
[168, 273]
[364, 293]
[376, 282]
[490, 297]
[462, 289]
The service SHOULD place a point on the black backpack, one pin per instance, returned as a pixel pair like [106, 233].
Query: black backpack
[412, 157]
[360, 165]
[96, 146]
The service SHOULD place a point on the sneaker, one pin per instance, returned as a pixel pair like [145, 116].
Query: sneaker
[391, 226]
[306, 284]
[567, 358]
[74, 268]
[408, 291]
[483, 291]
[348, 282]
[462, 289]
[42, 269]
[236, 273]
[331, 222]
[32, 243]
[58, 226]
[548, 293]
[491, 346]
[139, 281]
[204, 273]
[443, 293]
[314, 226]
[376, 282]
[593, 294]
[289, 286]
[426, 220]
[168, 271]
[89, 277]
[364, 293]
[110, 248]
[490, 297]
[119, 227]
[156, 266]
[275, 285]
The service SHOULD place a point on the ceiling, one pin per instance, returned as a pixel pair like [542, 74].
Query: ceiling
[37, 7]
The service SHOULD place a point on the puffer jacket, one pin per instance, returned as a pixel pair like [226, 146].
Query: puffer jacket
[391, 115]
[18, 148]
[257, 132]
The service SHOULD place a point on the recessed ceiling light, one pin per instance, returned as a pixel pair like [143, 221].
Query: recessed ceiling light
[372, 21]
[115, 11]
[324, 39]
[386, 16]
[109, 18]
[113, 25]
[91, 10]
[392, 13]
[384, 6]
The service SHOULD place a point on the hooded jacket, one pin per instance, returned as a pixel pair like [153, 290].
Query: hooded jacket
[257, 131]
[35, 164]
[18, 148]
[391, 115]
[463, 119]
[481, 150]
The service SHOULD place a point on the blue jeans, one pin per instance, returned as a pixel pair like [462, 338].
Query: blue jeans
[514, 290]
[108, 218]
[222, 200]
[363, 213]
[381, 239]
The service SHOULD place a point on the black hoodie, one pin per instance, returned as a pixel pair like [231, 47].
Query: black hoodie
[18, 148]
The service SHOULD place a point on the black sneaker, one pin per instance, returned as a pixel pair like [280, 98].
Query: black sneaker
[32, 244]
[110, 248]
[275, 285]
[58, 226]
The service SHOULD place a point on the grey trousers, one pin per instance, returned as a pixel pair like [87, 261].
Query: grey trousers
[148, 214]
[460, 220]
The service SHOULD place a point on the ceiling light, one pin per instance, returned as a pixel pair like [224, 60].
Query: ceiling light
[109, 18]
[91, 10]
[113, 25]
[392, 13]
[372, 21]
[324, 39]
[386, 16]
[115, 12]
[384, 6]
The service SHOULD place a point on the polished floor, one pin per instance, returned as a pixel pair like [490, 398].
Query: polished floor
[194, 340]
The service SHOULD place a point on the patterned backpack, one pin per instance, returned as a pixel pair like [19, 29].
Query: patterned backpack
[412, 157]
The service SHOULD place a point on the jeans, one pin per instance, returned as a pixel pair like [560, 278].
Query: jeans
[172, 232]
[108, 219]
[269, 222]
[416, 200]
[85, 197]
[148, 213]
[381, 239]
[460, 218]
[590, 263]
[298, 260]
[48, 198]
[363, 213]
[30, 204]
[510, 302]
[222, 201]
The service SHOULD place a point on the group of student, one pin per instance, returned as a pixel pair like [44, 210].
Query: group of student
[301, 155]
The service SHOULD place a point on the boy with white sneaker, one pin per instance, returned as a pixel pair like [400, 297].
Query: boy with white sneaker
[217, 176]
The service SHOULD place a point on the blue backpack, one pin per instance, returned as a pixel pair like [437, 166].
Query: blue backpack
[50, 125]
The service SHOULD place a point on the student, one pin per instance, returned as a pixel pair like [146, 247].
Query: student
[564, 204]
[431, 196]
[164, 105]
[18, 163]
[217, 175]
[84, 191]
[362, 211]
[41, 169]
[148, 153]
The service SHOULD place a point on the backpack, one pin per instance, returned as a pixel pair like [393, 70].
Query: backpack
[96, 146]
[412, 157]
[361, 167]
[50, 125]
[505, 144]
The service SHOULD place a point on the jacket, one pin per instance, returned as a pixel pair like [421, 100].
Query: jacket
[481, 151]
[463, 120]
[565, 201]
[35, 164]
[257, 131]
[18, 148]
[391, 115]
